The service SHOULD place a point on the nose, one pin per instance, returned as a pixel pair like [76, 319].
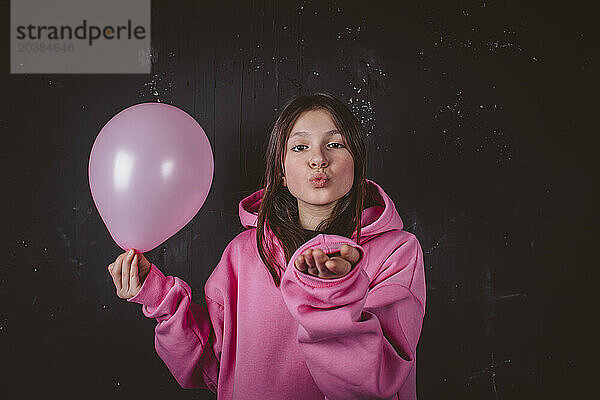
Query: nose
[318, 160]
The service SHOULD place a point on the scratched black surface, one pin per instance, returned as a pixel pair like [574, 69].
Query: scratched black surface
[479, 116]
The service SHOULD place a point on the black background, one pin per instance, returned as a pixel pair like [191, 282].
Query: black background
[481, 126]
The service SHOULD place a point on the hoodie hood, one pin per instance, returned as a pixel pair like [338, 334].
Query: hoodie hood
[375, 220]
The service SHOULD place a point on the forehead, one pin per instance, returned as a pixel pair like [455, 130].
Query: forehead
[314, 122]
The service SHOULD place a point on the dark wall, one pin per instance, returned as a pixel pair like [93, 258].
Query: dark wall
[479, 116]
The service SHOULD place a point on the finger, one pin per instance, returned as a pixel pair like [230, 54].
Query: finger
[308, 258]
[143, 263]
[352, 254]
[125, 272]
[310, 261]
[134, 281]
[339, 266]
[116, 280]
[301, 263]
[320, 258]
[116, 272]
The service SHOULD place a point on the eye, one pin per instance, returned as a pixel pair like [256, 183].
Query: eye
[335, 146]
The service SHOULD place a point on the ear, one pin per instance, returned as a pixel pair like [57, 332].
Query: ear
[283, 180]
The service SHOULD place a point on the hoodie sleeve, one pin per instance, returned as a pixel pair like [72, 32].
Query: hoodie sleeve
[184, 338]
[359, 337]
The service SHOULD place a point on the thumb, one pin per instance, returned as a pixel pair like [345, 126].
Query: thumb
[144, 261]
[350, 253]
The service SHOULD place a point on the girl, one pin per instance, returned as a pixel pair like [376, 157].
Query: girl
[323, 294]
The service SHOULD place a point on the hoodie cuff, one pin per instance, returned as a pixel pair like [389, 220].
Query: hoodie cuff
[329, 244]
[154, 289]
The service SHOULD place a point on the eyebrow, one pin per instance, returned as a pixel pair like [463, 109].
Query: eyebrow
[304, 133]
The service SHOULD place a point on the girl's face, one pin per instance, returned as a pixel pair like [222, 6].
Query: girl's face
[318, 167]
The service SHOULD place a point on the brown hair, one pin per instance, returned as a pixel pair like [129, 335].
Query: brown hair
[278, 210]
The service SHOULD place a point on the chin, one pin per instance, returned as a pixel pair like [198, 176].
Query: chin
[319, 200]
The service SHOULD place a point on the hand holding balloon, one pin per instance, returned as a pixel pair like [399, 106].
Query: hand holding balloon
[128, 273]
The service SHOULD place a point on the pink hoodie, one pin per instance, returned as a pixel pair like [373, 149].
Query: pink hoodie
[353, 337]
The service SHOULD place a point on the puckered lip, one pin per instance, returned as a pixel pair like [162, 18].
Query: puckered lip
[318, 176]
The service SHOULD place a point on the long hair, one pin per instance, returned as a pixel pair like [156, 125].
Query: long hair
[278, 210]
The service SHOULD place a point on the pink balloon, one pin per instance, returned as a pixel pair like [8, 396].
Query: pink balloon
[150, 170]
